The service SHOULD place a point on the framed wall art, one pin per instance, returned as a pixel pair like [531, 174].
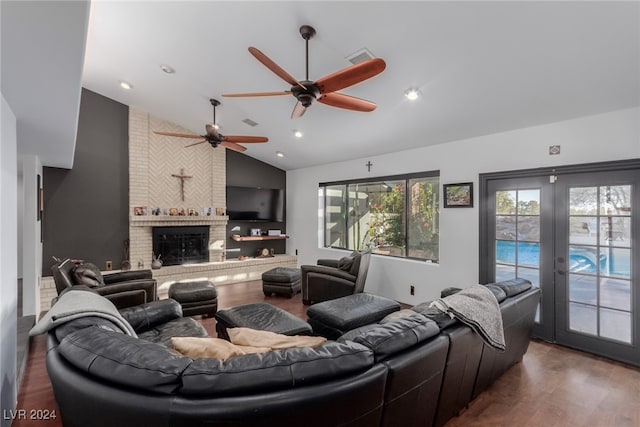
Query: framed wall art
[458, 195]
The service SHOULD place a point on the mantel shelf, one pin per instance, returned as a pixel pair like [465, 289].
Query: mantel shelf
[255, 238]
[151, 220]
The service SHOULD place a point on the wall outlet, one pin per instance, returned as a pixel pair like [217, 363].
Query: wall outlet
[412, 290]
[109, 265]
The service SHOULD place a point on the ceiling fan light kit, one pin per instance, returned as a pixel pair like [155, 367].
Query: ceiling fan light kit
[324, 90]
[215, 138]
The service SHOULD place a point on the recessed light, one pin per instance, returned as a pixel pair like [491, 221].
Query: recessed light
[412, 94]
[279, 154]
[167, 69]
[126, 85]
[297, 133]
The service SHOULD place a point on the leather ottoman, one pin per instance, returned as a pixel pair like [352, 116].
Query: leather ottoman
[282, 281]
[331, 319]
[197, 297]
[260, 316]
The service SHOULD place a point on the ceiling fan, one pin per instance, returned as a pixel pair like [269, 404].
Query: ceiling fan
[325, 89]
[214, 138]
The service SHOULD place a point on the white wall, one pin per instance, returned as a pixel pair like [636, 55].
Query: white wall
[31, 240]
[603, 137]
[20, 222]
[8, 261]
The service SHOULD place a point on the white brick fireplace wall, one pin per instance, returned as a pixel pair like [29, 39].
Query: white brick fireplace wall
[153, 159]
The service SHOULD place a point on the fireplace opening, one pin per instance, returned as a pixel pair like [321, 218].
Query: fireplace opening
[181, 245]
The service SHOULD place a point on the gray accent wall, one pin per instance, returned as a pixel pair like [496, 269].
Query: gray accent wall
[86, 208]
[245, 171]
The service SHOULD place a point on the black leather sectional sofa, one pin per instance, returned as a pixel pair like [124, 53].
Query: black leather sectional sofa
[414, 370]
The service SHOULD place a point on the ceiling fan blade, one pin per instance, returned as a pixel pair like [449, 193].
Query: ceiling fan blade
[233, 146]
[212, 131]
[347, 102]
[195, 143]
[298, 110]
[351, 75]
[244, 139]
[239, 95]
[275, 68]
[179, 135]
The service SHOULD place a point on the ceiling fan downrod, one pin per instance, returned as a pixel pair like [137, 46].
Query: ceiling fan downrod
[215, 103]
[307, 31]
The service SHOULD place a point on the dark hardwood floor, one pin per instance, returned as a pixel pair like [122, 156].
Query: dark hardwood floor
[553, 386]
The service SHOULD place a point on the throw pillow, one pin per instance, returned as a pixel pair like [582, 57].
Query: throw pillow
[345, 263]
[255, 338]
[87, 274]
[203, 348]
[355, 267]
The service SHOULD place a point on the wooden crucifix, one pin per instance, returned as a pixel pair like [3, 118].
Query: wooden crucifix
[368, 165]
[181, 177]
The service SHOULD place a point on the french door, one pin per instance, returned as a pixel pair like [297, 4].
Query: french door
[572, 232]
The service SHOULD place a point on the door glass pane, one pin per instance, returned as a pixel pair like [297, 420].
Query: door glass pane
[615, 231]
[505, 272]
[531, 274]
[615, 293]
[528, 202]
[583, 289]
[505, 252]
[528, 254]
[615, 325]
[583, 318]
[583, 201]
[615, 200]
[616, 262]
[505, 202]
[529, 228]
[583, 230]
[584, 259]
[506, 227]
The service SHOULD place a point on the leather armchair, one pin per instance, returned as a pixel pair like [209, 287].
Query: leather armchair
[331, 279]
[123, 289]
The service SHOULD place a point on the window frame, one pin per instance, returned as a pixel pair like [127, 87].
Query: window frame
[401, 177]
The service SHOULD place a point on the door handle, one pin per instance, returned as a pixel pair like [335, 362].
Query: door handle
[560, 260]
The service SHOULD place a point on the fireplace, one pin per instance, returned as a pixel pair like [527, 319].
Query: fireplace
[181, 245]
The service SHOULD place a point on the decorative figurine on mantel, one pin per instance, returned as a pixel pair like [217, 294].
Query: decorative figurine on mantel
[157, 262]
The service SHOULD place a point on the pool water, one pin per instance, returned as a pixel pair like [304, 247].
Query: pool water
[582, 259]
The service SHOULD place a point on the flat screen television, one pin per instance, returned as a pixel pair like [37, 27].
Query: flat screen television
[255, 204]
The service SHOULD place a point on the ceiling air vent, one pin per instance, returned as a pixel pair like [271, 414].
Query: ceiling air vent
[250, 122]
[360, 56]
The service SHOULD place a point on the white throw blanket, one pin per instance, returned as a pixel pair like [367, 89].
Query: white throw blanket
[478, 308]
[76, 304]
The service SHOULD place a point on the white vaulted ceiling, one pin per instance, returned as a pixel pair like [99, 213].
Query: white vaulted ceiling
[482, 67]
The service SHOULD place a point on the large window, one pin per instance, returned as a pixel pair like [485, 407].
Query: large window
[394, 215]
